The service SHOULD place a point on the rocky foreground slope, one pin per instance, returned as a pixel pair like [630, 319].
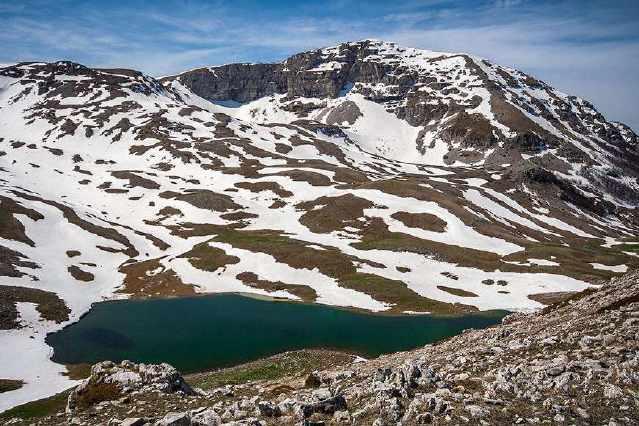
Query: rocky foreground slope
[575, 362]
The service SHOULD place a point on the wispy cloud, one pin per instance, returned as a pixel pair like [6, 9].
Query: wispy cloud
[587, 48]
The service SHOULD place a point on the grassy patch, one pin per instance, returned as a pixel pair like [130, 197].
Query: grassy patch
[203, 256]
[50, 306]
[296, 363]
[98, 392]
[327, 214]
[262, 371]
[634, 248]
[79, 274]
[456, 291]
[265, 186]
[575, 258]
[293, 252]
[551, 298]
[398, 294]
[7, 385]
[376, 236]
[40, 408]
[149, 278]
[251, 279]
[426, 221]
[204, 199]
[78, 371]
[333, 263]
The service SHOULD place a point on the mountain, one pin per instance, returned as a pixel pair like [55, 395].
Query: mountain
[453, 109]
[364, 175]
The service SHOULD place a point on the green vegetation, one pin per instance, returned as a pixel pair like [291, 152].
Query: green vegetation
[296, 363]
[203, 256]
[40, 408]
[304, 292]
[634, 248]
[398, 294]
[376, 236]
[426, 221]
[49, 305]
[98, 392]
[78, 371]
[456, 291]
[330, 261]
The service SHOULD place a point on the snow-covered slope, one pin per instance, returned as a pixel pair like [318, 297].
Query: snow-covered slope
[433, 108]
[349, 176]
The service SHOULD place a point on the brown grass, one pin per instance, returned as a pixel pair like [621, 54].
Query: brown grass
[79, 274]
[307, 294]
[8, 385]
[551, 298]
[426, 221]
[330, 262]
[203, 256]
[49, 305]
[293, 364]
[97, 392]
[399, 295]
[78, 371]
[457, 291]
[10, 227]
[204, 199]
[138, 282]
[265, 186]
[327, 214]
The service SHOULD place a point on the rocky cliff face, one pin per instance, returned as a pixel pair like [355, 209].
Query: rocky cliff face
[575, 362]
[466, 102]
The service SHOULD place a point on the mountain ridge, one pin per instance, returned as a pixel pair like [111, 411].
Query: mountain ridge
[500, 113]
[153, 191]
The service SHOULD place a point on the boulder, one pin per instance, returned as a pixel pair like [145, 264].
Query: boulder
[326, 406]
[207, 417]
[174, 419]
[109, 381]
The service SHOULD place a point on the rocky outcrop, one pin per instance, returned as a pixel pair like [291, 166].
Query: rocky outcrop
[239, 82]
[399, 78]
[468, 103]
[109, 381]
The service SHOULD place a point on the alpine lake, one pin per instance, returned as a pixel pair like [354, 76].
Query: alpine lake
[215, 331]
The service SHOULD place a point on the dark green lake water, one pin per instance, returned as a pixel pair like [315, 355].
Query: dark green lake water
[199, 333]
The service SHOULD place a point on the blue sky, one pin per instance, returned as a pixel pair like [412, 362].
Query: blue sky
[588, 48]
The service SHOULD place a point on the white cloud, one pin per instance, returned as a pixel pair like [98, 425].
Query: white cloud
[587, 55]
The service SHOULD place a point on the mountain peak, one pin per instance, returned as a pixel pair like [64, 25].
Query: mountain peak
[459, 109]
[363, 175]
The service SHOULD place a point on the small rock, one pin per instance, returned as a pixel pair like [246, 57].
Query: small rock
[133, 421]
[268, 409]
[327, 406]
[312, 380]
[582, 413]
[207, 417]
[476, 411]
[322, 393]
[174, 419]
[612, 392]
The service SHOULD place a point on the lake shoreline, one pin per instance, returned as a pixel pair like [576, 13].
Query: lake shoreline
[227, 329]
